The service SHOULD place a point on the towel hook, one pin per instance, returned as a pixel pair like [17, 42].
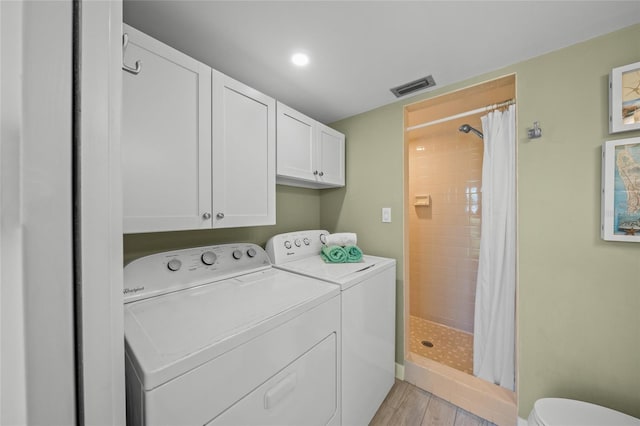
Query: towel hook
[535, 132]
[138, 68]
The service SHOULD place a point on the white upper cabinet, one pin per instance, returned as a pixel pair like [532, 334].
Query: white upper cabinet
[166, 138]
[198, 148]
[244, 155]
[331, 154]
[296, 146]
[309, 154]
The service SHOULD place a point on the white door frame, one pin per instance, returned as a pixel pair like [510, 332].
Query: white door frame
[99, 221]
[13, 398]
[61, 244]
[42, 192]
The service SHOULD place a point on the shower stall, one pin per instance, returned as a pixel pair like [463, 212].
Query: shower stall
[445, 168]
[443, 220]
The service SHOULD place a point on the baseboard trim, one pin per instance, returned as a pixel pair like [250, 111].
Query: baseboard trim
[399, 371]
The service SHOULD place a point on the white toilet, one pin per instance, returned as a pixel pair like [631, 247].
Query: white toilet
[568, 412]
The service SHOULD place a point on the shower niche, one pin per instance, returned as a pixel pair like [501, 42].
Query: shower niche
[443, 204]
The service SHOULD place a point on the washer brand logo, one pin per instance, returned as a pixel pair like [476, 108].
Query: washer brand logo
[133, 290]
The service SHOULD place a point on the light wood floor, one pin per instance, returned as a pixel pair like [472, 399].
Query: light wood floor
[407, 405]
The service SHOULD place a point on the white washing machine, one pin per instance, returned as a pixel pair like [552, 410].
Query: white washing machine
[368, 302]
[217, 336]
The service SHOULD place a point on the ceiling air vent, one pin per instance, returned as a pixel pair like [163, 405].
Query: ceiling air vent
[414, 86]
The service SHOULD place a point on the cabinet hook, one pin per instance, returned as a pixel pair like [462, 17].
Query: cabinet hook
[138, 68]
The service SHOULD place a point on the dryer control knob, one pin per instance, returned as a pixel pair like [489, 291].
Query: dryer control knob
[297, 243]
[251, 252]
[208, 258]
[306, 241]
[287, 244]
[174, 265]
[237, 254]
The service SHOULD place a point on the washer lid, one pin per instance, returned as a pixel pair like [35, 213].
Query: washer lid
[343, 274]
[176, 332]
[568, 412]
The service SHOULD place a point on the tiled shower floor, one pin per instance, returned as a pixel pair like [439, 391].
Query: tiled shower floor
[451, 347]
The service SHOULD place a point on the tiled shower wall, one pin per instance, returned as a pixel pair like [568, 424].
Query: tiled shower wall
[445, 237]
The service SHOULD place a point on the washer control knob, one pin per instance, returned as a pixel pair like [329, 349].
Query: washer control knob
[208, 258]
[306, 241]
[237, 254]
[251, 252]
[297, 243]
[287, 244]
[323, 238]
[174, 265]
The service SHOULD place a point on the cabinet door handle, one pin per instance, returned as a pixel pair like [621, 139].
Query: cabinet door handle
[315, 172]
[220, 215]
[321, 173]
[206, 216]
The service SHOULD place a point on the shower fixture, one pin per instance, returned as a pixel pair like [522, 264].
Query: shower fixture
[466, 128]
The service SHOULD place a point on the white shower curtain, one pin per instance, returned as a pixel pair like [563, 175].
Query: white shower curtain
[494, 329]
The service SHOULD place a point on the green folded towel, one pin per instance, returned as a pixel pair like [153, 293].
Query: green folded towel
[333, 254]
[354, 254]
[338, 254]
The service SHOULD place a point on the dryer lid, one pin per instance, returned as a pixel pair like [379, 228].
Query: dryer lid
[568, 412]
[174, 333]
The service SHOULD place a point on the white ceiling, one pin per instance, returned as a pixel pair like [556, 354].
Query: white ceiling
[360, 49]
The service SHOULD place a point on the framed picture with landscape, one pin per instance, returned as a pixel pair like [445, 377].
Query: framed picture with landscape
[624, 98]
[621, 190]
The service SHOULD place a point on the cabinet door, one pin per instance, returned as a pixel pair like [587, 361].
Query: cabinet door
[243, 155]
[296, 148]
[331, 154]
[166, 138]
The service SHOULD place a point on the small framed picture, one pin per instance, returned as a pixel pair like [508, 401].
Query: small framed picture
[624, 98]
[621, 190]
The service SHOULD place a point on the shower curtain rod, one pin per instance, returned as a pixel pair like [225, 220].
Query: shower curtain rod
[463, 114]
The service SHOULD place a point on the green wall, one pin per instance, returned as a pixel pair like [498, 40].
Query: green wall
[579, 297]
[374, 165]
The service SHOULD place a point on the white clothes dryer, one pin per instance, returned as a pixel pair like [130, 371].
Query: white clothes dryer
[215, 335]
[368, 302]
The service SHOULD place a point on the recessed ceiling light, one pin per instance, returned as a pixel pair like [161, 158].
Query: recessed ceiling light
[300, 59]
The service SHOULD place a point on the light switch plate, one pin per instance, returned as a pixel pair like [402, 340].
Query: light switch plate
[386, 214]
